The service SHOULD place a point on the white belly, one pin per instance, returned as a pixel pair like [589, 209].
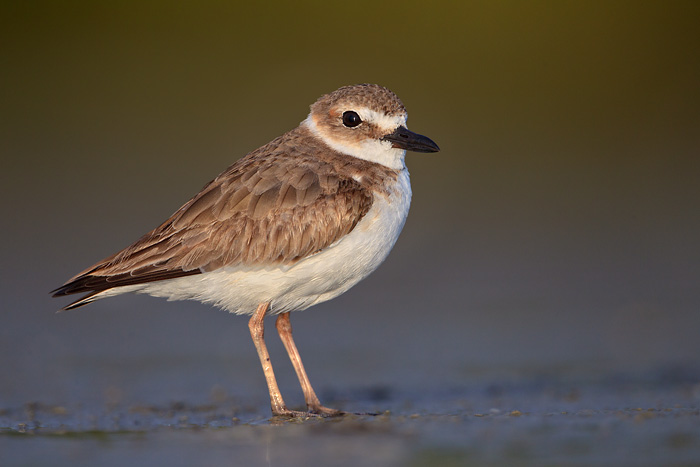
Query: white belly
[313, 280]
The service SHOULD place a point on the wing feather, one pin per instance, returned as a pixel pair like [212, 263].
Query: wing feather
[277, 205]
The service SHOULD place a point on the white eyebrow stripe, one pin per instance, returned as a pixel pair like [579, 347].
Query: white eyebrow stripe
[387, 123]
[377, 151]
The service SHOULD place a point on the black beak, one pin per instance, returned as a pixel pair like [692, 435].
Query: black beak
[410, 141]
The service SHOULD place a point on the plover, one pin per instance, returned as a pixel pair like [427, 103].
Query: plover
[294, 223]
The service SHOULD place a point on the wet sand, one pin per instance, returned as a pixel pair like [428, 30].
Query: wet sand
[619, 419]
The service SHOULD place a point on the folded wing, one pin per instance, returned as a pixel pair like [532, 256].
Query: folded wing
[272, 210]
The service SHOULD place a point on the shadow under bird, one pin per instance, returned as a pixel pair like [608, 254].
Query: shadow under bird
[294, 223]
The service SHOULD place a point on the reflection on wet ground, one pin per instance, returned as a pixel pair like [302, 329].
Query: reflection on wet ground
[651, 420]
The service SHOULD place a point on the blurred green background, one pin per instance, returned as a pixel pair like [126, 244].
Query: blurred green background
[557, 229]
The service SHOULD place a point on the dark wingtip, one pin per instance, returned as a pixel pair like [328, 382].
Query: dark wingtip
[82, 301]
[69, 288]
[94, 285]
[58, 292]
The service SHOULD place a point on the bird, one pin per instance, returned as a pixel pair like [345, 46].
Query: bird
[291, 224]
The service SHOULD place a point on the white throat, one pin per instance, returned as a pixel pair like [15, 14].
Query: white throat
[377, 151]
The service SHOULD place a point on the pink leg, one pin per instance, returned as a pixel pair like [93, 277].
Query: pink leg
[257, 332]
[284, 328]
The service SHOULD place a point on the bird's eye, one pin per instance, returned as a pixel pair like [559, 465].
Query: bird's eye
[351, 119]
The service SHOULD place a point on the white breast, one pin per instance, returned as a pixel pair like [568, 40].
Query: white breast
[312, 280]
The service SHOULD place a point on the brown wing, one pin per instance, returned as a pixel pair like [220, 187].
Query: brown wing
[262, 210]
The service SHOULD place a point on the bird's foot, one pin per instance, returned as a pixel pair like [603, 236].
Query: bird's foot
[317, 411]
[325, 411]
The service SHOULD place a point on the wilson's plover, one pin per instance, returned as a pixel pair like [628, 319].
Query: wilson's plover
[294, 223]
